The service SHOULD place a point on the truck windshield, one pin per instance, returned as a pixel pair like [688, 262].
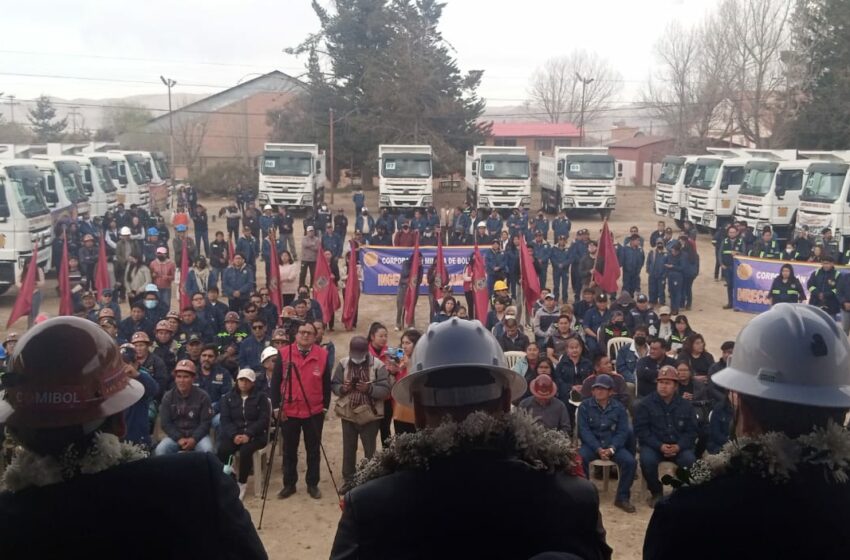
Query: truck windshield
[823, 186]
[104, 177]
[161, 168]
[295, 165]
[670, 172]
[504, 168]
[586, 168]
[704, 175]
[406, 167]
[26, 184]
[138, 168]
[87, 179]
[72, 180]
[758, 178]
[118, 170]
[689, 173]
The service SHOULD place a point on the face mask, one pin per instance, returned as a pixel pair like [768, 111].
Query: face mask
[150, 303]
[789, 249]
[160, 258]
[640, 340]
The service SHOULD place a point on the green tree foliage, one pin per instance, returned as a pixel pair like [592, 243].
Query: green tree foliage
[392, 80]
[220, 179]
[123, 118]
[821, 60]
[45, 125]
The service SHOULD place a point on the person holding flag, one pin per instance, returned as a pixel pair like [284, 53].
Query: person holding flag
[352, 287]
[273, 278]
[607, 268]
[414, 280]
[481, 293]
[29, 285]
[529, 280]
[438, 280]
[324, 287]
[102, 280]
[66, 303]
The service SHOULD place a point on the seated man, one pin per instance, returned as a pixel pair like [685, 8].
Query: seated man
[544, 407]
[666, 428]
[603, 428]
[186, 414]
[512, 339]
[214, 379]
[602, 366]
[646, 369]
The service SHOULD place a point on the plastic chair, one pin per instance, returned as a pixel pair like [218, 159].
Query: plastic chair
[512, 357]
[605, 465]
[615, 344]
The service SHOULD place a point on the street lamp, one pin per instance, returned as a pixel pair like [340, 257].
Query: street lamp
[169, 83]
[584, 83]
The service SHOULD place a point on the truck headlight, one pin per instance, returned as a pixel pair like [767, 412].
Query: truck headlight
[611, 202]
[427, 199]
[308, 198]
[483, 200]
[263, 198]
[526, 200]
[384, 199]
[569, 201]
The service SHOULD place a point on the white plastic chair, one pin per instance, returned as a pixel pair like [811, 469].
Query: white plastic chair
[615, 344]
[512, 357]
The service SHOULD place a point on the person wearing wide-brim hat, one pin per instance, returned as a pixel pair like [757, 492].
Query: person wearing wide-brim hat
[469, 464]
[543, 406]
[64, 401]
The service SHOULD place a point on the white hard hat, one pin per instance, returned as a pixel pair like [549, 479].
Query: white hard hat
[482, 224]
[457, 344]
[268, 352]
[793, 353]
[125, 231]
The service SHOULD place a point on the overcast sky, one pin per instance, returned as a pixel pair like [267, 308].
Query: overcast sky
[207, 45]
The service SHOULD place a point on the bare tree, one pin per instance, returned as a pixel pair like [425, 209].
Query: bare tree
[190, 129]
[759, 32]
[556, 88]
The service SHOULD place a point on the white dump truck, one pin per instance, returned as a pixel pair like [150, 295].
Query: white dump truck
[292, 175]
[129, 168]
[824, 199]
[24, 218]
[96, 179]
[671, 188]
[498, 177]
[405, 176]
[160, 186]
[579, 179]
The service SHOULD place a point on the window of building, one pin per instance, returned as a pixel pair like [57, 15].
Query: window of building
[505, 142]
[543, 144]
[563, 142]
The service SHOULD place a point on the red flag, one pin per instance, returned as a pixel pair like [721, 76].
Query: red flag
[23, 304]
[274, 273]
[412, 285]
[101, 275]
[352, 289]
[232, 251]
[324, 288]
[607, 268]
[66, 304]
[185, 299]
[528, 277]
[442, 275]
[479, 286]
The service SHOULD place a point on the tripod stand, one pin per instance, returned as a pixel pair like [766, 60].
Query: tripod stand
[286, 383]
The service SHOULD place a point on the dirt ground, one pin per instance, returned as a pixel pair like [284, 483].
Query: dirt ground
[302, 528]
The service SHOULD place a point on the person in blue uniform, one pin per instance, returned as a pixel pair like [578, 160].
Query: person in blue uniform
[786, 288]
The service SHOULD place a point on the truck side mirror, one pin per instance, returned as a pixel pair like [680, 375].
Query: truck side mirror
[474, 168]
[4, 206]
[780, 192]
[318, 168]
[619, 170]
[561, 167]
[87, 175]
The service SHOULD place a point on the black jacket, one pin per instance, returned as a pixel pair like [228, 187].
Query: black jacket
[108, 515]
[470, 506]
[805, 518]
[251, 419]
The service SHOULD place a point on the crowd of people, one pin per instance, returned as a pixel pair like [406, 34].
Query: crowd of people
[622, 377]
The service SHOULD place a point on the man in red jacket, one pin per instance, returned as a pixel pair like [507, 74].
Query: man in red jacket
[304, 392]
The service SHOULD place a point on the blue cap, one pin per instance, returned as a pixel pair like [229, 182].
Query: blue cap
[603, 380]
[151, 288]
[180, 227]
[153, 231]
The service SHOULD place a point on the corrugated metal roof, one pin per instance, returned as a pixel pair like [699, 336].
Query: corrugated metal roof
[639, 141]
[535, 129]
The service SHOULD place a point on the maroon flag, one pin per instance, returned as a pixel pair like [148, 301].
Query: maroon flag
[528, 277]
[352, 289]
[101, 276]
[232, 249]
[412, 294]
[441, 276]
[479, 286]
[607, 268]
[185, 298]
[23, 304]
[66, 303]
[274, 273]
[324, 288]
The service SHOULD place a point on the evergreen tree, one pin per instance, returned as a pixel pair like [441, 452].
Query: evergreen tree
[45, 125]
[821, 61]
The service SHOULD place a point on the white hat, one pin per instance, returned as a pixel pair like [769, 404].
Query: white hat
[482, 224]
[311, 228]
[248, 374]
[267, 207]
[125, 231]
[268, 352]
[364, 209]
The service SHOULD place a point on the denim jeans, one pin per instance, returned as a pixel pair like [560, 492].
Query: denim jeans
[368, 436]
[656, 291]
[626, 465]
[168, 446]
[561, 283]
[165, 298]
[650, 459]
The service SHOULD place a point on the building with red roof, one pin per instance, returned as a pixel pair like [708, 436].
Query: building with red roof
[535, 136]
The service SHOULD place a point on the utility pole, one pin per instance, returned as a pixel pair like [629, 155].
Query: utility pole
[331, 150]
[12, 108]
[73, 113]
[169, 83]
[584, 83]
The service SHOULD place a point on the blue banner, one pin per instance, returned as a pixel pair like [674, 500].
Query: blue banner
[382, 266]
[754, 276]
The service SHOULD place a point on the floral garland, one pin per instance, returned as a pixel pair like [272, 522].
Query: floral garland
[774, 456]
[515, 435]
[30, 469]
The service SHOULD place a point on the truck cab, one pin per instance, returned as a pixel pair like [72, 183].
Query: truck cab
[292, 175]
[96, 182]
[405, 176]
[63, 187]
[129, 168]
[714, 186]
[160, 187]
[671, 188]
[770, 195]
[579, 179]
[825, 199]
[498, 177]
[24, 219]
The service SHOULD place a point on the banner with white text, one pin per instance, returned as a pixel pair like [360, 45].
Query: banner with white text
[382, 266]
